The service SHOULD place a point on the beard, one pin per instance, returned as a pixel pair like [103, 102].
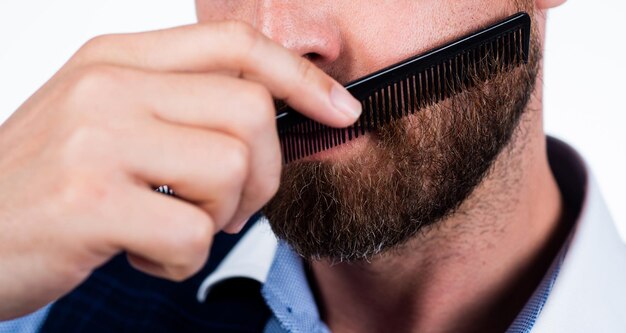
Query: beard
[410, 175]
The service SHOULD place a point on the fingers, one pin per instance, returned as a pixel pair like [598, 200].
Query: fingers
[235, 48]
[206, 168]
[241, 145]
[211, 137]
[164, 236]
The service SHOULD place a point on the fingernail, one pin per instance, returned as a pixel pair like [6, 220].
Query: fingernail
[344, 102]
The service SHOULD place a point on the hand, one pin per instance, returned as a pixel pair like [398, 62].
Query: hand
[190, 107]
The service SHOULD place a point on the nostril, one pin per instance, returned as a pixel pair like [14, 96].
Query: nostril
[312, 57]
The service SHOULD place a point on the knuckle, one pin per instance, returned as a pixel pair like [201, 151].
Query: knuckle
[95, 43]
[89, 82]
[241, 30]
[190, 246]
[261, 97]
[259, 100]
[235, 157]
[92, 48]
[89, 170]
[85, 145]
[245, 36]
[84, 192]
[200, 235]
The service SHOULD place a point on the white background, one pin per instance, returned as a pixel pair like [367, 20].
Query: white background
[585, 66]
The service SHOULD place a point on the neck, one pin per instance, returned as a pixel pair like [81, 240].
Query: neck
[475, 270]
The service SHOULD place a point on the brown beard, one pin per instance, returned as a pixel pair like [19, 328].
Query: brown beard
[411, 175]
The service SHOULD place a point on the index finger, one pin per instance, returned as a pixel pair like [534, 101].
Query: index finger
[236, 48]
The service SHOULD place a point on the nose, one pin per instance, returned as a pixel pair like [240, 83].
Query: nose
[306, 27]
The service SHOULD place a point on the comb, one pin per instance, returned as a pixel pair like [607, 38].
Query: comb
[411, 85]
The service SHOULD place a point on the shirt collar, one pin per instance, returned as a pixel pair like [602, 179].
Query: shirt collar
[572, 177]
[250, 258]
[589, 294]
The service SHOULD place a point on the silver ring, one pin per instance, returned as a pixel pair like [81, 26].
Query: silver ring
[164, 189]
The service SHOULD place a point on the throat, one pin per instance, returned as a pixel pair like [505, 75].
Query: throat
[474, 271]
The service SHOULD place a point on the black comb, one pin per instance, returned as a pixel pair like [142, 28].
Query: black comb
[413, 84]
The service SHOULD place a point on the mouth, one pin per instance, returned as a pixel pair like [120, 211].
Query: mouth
[321, 145]
[307, 140]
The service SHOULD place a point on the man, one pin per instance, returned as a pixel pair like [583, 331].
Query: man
[462, 217]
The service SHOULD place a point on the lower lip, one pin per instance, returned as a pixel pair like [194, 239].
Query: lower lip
[336, 152]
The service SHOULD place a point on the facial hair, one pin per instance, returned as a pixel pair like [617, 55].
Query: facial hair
[411, 175]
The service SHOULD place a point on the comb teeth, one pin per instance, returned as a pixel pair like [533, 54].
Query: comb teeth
[413, 84]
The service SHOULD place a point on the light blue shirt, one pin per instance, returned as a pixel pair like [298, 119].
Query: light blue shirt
[28, 324]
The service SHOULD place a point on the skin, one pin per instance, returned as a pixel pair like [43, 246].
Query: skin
[129, 112]
[476, 269]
